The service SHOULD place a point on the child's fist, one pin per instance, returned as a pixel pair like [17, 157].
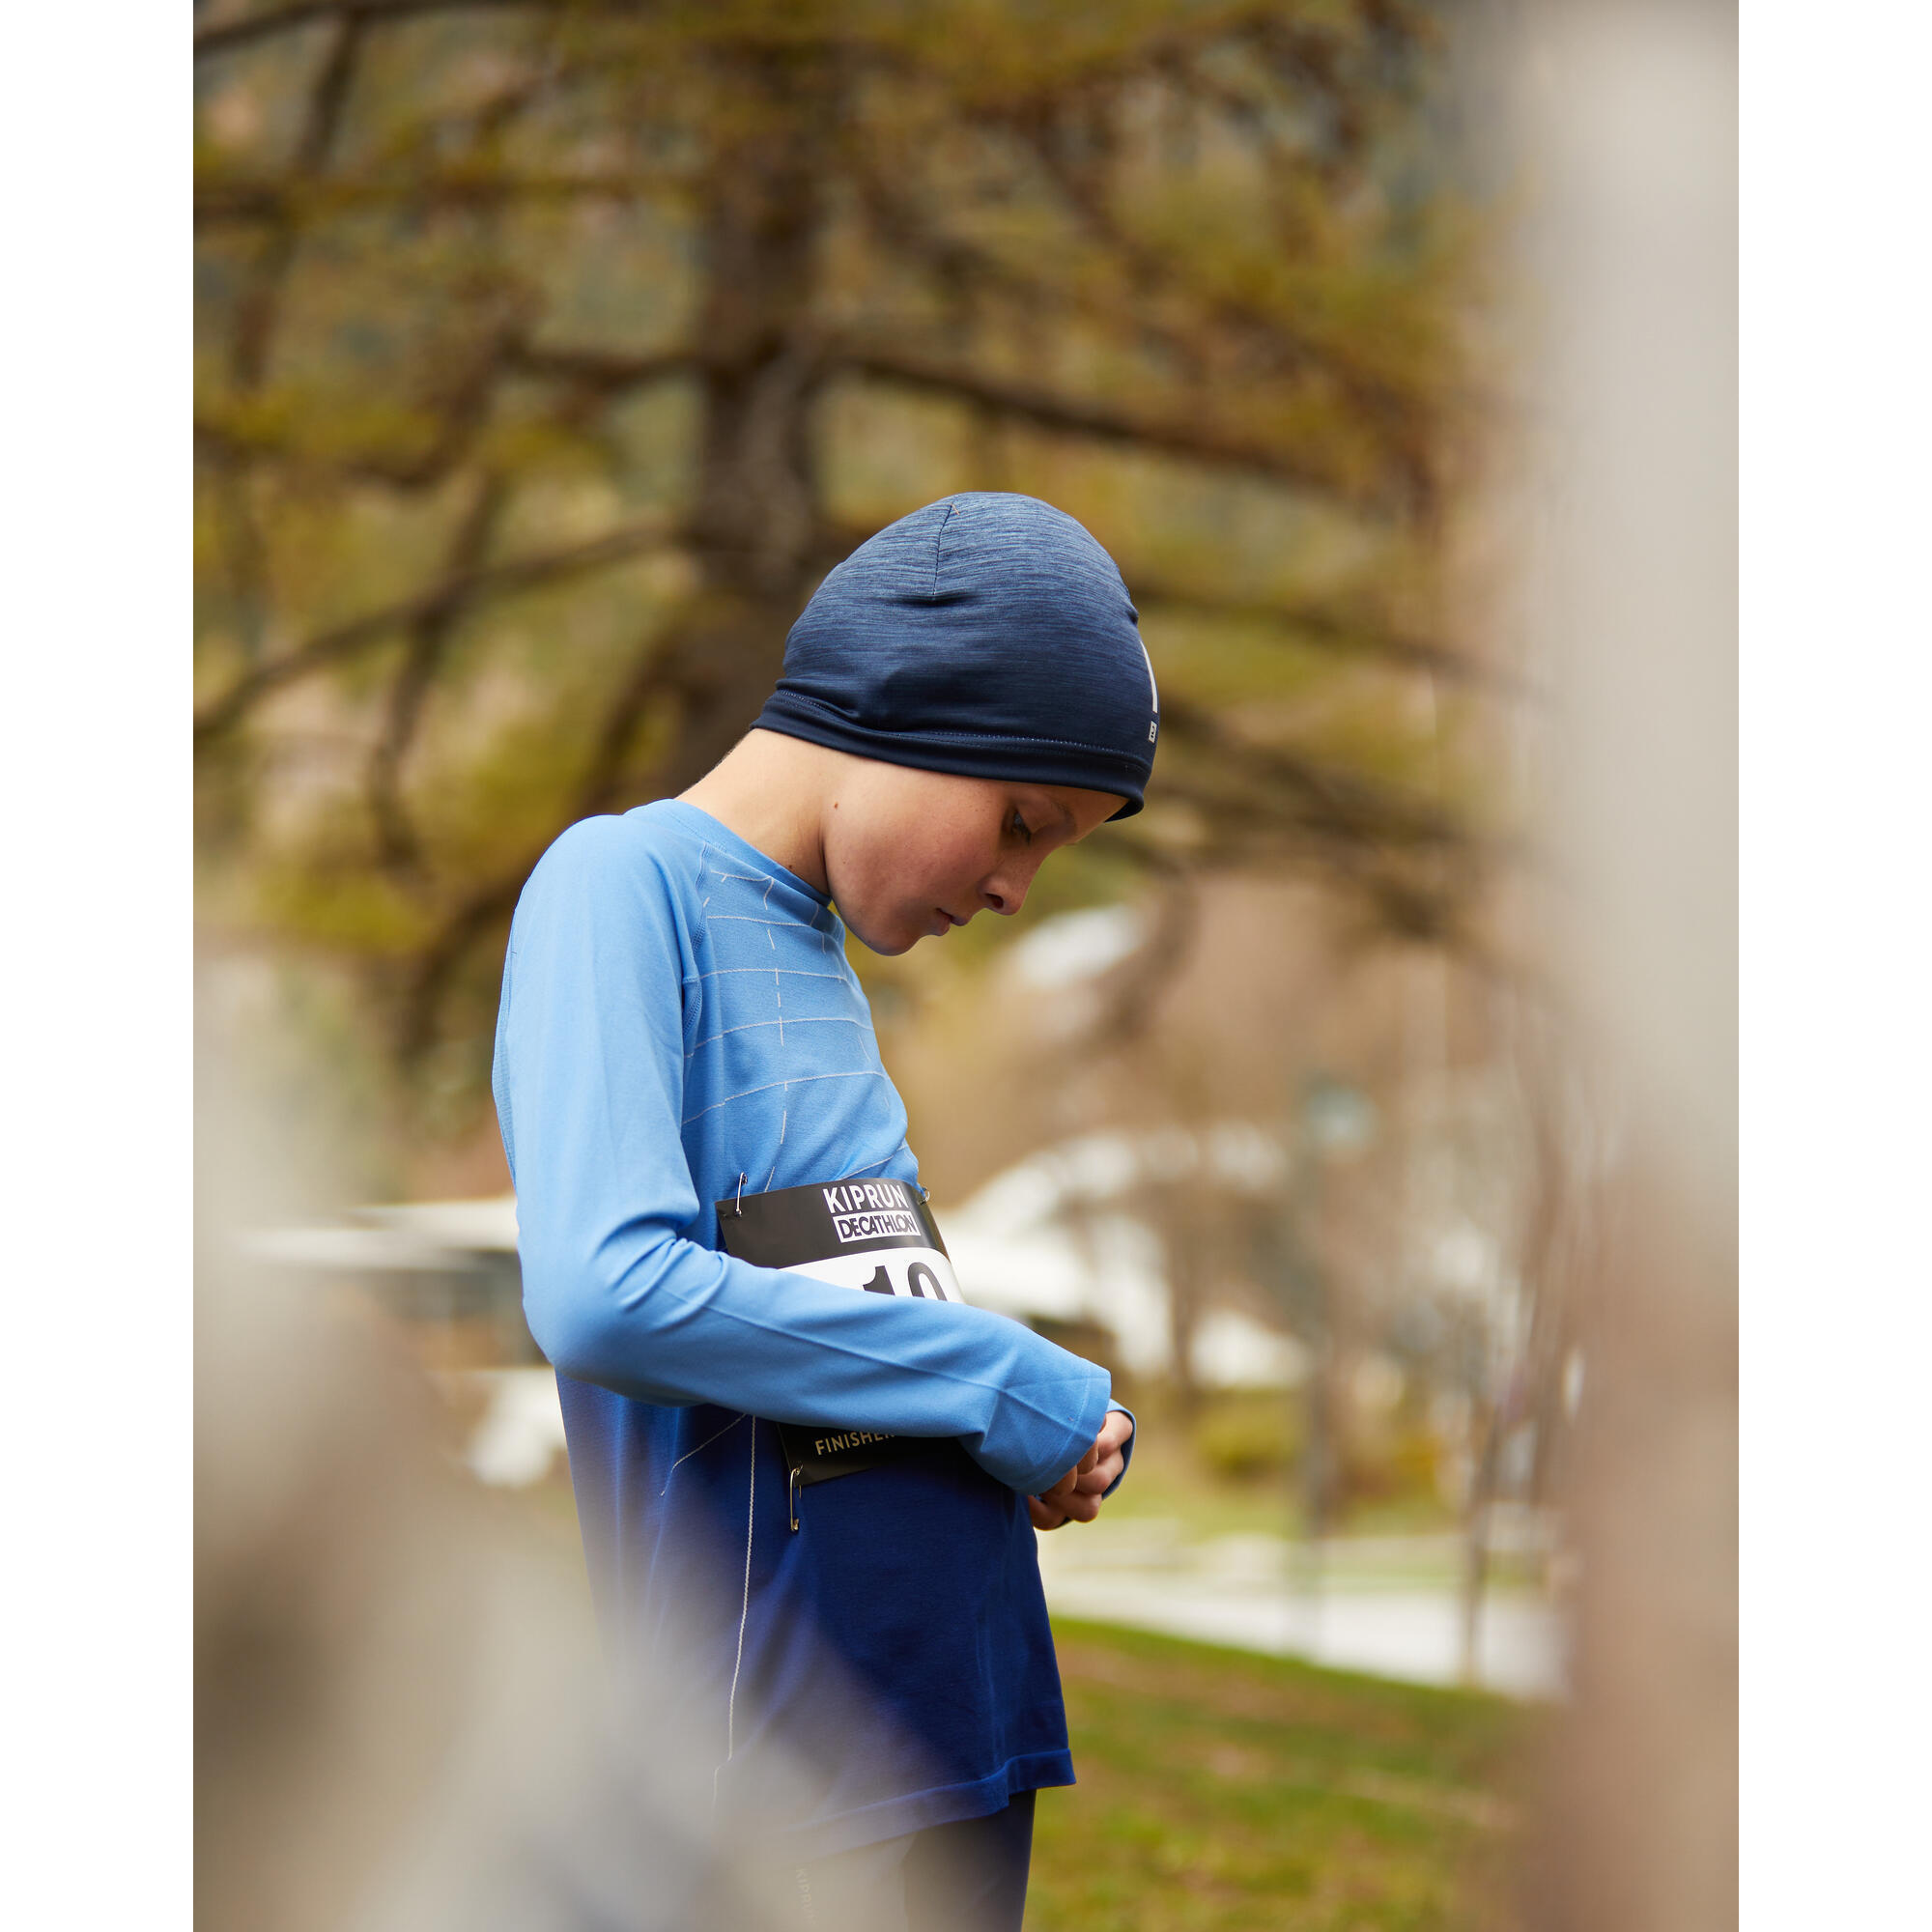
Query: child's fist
[1076, 1497]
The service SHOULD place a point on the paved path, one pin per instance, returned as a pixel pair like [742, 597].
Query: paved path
[1238, 1591]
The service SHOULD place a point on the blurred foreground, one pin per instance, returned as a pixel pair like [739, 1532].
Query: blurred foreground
[396, 1712]
[402, 1721]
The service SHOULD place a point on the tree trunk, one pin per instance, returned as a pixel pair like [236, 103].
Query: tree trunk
[756, 512]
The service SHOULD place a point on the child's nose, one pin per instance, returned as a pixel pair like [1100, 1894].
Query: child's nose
[1006, 891]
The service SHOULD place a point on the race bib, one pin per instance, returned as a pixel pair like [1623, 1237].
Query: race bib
[875, 1237]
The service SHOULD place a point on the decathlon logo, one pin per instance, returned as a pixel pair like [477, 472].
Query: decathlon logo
[867, 1210]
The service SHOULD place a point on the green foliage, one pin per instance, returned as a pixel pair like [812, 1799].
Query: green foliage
[549, 354]
[1245, 1437]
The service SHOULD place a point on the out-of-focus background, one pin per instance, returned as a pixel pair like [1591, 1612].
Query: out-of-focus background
[1367, 1105]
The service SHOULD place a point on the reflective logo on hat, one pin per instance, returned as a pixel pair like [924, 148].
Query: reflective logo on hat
[1153, 693]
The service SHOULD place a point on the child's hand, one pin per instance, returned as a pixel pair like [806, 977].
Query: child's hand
[1076, 1497]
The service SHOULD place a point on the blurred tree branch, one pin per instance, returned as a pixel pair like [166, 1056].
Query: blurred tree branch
[439, 604]
[1190, 438]
[228, 35]
[1327, 628]
[292, 202]
[255, 312]
[429, 630]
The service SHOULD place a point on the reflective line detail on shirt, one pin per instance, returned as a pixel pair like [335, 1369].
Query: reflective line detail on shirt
[743, 1617]
[791, 972]
[698, 1451]
[772, 1086]
[809, 1019]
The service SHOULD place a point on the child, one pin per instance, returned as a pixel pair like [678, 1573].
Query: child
[679, 1033]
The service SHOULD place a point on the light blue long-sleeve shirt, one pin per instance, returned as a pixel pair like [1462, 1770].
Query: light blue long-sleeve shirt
[679, 1020]
[645, 1058]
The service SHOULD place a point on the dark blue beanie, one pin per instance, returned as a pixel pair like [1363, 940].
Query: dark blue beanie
[986, 634]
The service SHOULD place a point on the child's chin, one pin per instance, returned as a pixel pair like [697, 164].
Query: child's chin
[888, 942]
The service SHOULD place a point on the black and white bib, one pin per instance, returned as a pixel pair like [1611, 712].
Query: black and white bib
[878, 1236]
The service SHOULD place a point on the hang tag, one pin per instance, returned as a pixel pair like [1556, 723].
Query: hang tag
[875, 1236]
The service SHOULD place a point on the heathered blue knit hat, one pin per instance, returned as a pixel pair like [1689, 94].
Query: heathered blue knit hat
[986, 634]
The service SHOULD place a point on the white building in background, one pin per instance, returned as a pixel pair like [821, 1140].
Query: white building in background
[1056, 1237]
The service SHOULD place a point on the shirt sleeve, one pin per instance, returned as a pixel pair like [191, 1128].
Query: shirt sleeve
[589, 1081]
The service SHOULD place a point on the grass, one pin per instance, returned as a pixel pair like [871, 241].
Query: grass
[1221, 1791]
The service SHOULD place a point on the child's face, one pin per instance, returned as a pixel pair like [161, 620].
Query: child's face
[911, 854]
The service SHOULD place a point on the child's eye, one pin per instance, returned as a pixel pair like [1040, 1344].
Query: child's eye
[1021, 830]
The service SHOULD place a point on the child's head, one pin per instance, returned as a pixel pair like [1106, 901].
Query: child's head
[980, 665]
[909, 853]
